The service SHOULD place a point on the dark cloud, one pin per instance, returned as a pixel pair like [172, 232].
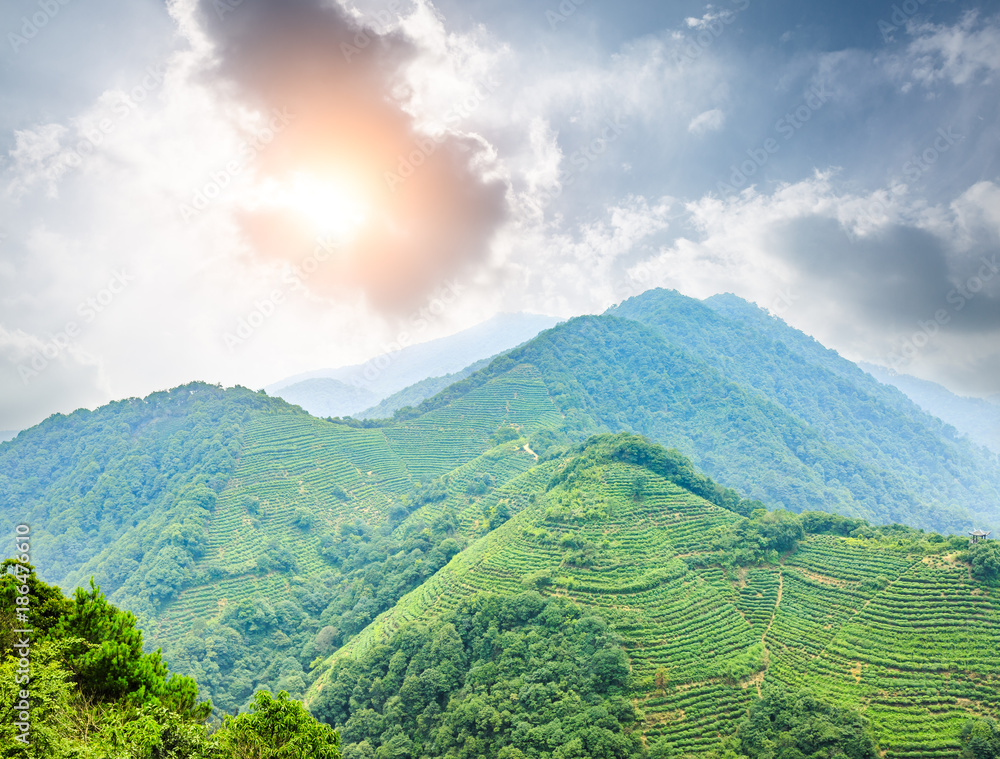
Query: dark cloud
[431, 212]
[902, 297]
[894, 278]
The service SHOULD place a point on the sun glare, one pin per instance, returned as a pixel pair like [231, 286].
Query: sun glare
[328, 205]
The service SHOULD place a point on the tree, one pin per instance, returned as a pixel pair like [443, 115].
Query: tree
[105, 653]
[789, 724]
[981, 739]
[985, 559]
[278, 728]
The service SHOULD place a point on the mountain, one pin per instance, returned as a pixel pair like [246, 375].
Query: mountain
[874, 425]
[6, 435]
[978, 418]
[325, 396]
[788, 423]
[711, 609]
[253, 539]
[239, 517]
[418, 392]
[352, 389]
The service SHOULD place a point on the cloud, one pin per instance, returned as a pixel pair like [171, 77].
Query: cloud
[868, 273]
[41, 376]
[709, 121]
[958, 53]
[430, 204]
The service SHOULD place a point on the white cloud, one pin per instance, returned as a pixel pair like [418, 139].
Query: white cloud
[957, 54]
[708, 121]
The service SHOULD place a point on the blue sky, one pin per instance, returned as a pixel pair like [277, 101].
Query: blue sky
[837, 163]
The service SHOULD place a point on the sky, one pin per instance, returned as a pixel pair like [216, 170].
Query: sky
[236, 191]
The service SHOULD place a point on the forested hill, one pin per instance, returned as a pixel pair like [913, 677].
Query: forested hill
[755, 414]
[252, 538]
[874, 423]
[712, 609]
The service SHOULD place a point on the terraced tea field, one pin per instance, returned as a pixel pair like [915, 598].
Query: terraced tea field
[911, 641]
[442, 440]
[299, 476]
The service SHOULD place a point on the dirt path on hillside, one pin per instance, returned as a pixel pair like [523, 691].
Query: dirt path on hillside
[777, 603]
[763, 638]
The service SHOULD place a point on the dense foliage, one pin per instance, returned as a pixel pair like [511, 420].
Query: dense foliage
[509, 677]
[796, 724]
[981, 739]
[878, 425]
[87, 479]
[90, 692]
[984, 558]
[257, 642]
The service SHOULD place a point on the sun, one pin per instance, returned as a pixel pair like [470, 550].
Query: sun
[330, 206]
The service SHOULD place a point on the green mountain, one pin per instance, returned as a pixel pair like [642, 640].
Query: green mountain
[239, 528]
[418, 392]
[350, 390]
[711, 609]
[253, 540]
[756, 414]
[978, 418]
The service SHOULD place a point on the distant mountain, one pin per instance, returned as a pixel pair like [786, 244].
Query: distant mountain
[979, 418]
[325, 396]
[418, 392]
[351, 390]
[6, 435]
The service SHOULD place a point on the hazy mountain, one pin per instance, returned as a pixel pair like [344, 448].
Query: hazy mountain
[979, 418]
[6, 435]
[356, 388]
[325, 396]
[252, 538]
[418, 392]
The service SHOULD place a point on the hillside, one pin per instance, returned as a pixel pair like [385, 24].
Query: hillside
[350, 390]
[244, 520]
[875, 425]
[252, 539]
[976, 417]
[418, 392]
[886, 622]
[830, 449]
